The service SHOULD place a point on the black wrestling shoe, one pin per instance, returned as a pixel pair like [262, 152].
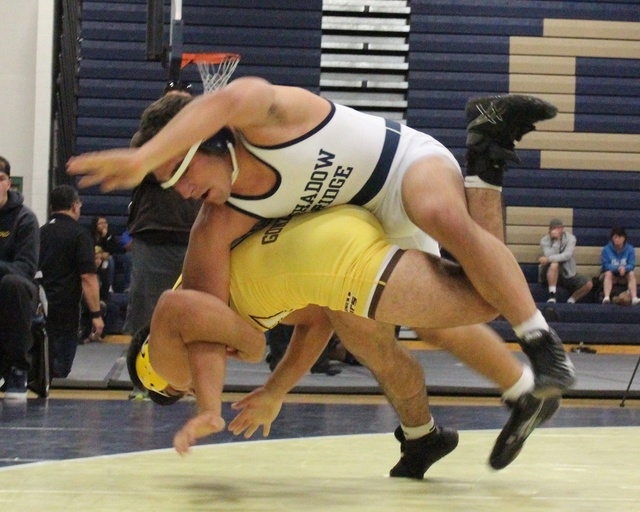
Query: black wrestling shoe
[326, 367]
[527, 413]
[505, 119]
[272, 361]
[494, 124]
[418, 455]
[554, 372]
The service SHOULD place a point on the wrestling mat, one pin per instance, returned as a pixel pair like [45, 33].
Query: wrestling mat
[568, 469]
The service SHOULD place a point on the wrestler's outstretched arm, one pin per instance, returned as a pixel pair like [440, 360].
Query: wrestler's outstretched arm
[196, 322]
[242, 101]
[260, 407]
[248, 104]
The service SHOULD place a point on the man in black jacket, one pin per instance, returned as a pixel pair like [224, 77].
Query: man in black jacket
[19, 246]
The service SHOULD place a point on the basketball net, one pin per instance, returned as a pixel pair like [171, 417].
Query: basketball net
[215, 68]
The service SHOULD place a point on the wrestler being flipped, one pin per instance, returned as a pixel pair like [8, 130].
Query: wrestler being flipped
[309, 270]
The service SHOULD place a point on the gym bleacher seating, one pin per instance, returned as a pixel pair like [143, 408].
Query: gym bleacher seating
[588, 321]
[583, 166]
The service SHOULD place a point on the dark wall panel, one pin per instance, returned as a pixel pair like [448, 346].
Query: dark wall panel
[582, 55]
[279, 40]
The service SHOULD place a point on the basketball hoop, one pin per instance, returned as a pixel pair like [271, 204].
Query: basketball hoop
[215, 68]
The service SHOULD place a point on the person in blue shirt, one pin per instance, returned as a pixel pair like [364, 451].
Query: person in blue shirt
[618, 259]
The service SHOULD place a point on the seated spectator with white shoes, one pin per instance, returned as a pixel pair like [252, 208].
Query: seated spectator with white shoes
[618, 259]
[558, 264]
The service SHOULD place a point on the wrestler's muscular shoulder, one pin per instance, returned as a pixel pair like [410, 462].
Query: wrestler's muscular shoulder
[284, 112]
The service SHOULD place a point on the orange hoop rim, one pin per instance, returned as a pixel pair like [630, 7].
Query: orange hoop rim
[207, 58]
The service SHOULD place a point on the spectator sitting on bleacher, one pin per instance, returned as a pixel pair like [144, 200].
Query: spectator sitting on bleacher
[558, 264]
[618, 259]
[105, 246]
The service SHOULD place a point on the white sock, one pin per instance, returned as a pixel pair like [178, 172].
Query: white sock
[571, 300]
[524, 384]
[476, 182]
[417, 432]
[552, 289]
[535, 323]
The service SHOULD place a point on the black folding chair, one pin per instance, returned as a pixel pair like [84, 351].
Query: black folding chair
[40, 376]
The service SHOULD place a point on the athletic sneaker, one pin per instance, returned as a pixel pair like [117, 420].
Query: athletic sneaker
[553, 370]
[527, 413]
[418, 455]
[552, 297]
[505, 119]
[494, 123]
[16, 386]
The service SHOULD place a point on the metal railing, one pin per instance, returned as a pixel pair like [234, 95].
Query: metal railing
[64, 87]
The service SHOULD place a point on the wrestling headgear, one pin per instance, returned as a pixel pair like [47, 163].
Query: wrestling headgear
[142, 373]
[222, 142]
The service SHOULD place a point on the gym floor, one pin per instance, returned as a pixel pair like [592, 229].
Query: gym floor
[97, 450]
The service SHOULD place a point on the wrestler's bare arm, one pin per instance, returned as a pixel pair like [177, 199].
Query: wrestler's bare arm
[209, 317]
[260, 407]
[207, 363]
[310, 336]
[196, 350]
[266, 113]
[207, 261]
[244, 102]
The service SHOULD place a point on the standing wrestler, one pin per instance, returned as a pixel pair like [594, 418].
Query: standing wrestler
[277, 151]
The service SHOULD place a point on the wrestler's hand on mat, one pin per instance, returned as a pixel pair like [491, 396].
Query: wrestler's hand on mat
[202, 425]
[112, 169]
[258, 408]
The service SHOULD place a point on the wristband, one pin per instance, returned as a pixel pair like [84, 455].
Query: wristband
[96, 314]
